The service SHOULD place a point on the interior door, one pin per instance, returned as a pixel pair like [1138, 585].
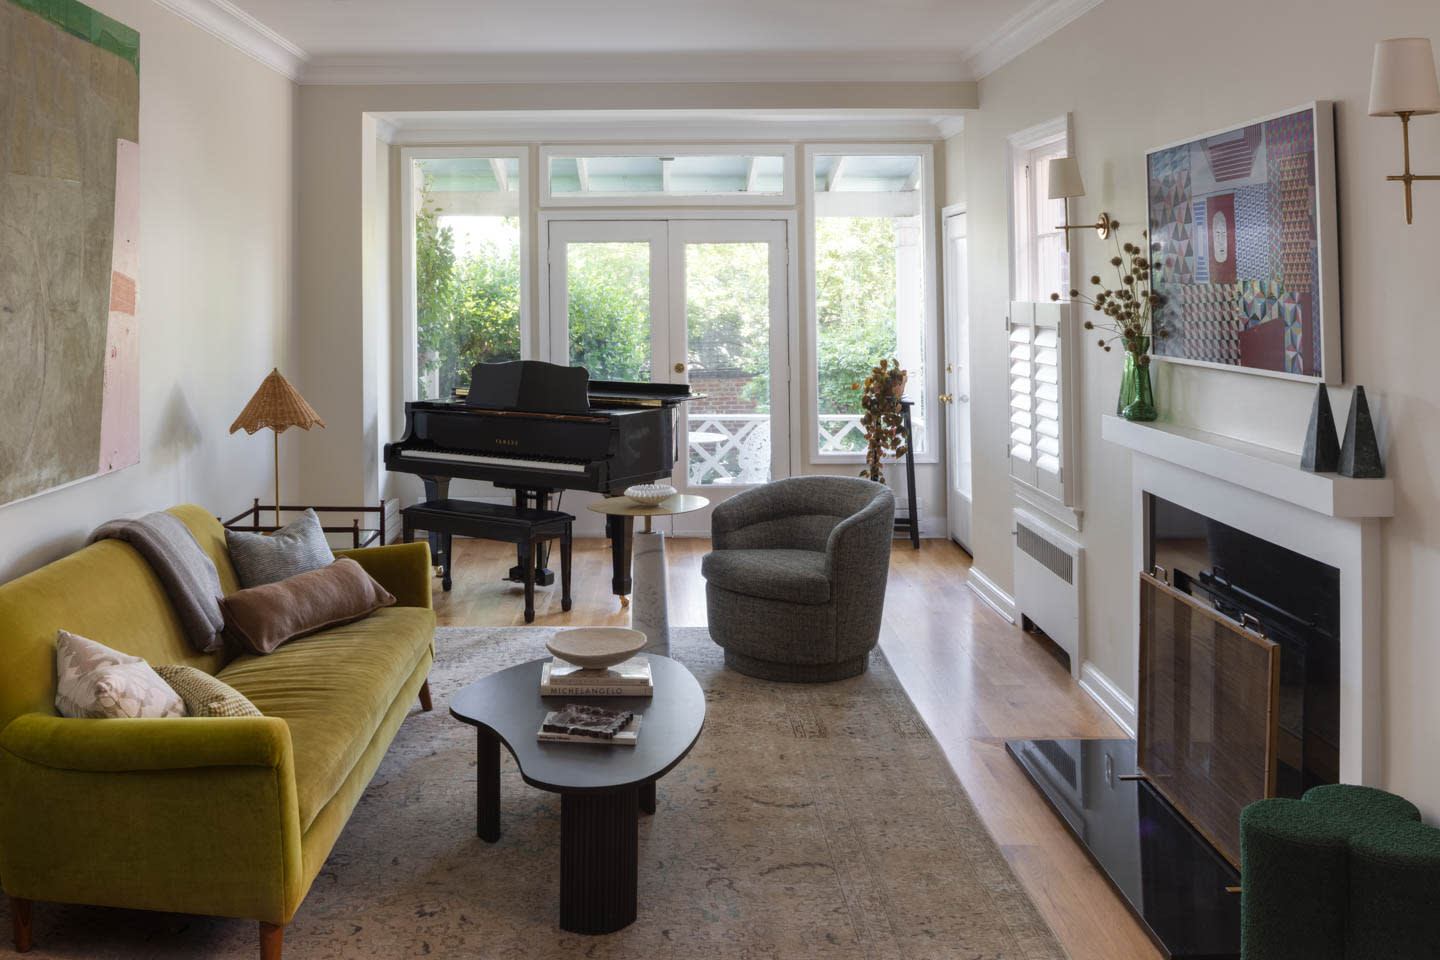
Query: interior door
[698, 301]
[958, 468]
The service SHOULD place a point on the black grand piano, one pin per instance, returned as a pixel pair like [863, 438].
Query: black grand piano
[537, 428]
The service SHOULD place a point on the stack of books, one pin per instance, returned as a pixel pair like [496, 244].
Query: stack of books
[582, 723]
[628, 679]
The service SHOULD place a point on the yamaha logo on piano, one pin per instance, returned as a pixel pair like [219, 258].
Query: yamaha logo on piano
[507, 443]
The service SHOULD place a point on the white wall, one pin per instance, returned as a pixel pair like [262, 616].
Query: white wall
[1136, 75]
[215, 287]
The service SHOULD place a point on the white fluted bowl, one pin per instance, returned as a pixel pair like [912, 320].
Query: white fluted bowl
[650, 494]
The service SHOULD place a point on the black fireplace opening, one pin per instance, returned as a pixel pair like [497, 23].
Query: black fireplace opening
[1293, 599]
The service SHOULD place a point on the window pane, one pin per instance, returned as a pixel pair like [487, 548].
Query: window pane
[727, 326]
[869, 288]
[718, 174]
[467, 268]
[609, 287]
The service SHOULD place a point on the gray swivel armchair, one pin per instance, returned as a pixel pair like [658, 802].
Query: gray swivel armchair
[796, 582]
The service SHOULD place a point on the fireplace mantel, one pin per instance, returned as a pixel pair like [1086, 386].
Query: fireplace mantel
[1265, 470]
[1262, 491]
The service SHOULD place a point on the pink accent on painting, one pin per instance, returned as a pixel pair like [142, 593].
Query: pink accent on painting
[120, 408]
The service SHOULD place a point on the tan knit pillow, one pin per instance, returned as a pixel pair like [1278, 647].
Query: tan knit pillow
[96, 682]
[204, 695]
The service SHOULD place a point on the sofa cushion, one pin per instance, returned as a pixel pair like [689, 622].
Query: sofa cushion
[795, 576]
[259, 619]
[96, 682]
[297, 547]
[333, 688]
[204, 695]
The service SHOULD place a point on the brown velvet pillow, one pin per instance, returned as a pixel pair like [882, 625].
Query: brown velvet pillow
[259, 619]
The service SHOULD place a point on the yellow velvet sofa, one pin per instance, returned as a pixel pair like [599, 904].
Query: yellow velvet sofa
[228, 816]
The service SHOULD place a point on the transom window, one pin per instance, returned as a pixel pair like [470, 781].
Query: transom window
[728, 175]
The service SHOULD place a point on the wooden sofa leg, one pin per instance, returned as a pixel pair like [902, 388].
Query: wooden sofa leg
[20, 915]
[272, 941]
[425, 703]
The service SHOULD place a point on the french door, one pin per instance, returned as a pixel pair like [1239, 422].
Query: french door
[703, 302]
[958, 469]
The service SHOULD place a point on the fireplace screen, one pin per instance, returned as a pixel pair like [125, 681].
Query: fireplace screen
[1207, 715]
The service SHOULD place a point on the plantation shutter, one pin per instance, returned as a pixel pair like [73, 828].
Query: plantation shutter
[1038, 433]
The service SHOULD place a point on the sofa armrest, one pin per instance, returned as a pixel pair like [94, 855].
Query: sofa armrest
[402, 568]
[122, 746]
[189, 815]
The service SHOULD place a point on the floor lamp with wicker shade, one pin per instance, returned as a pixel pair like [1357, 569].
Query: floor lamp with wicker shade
[279, 406]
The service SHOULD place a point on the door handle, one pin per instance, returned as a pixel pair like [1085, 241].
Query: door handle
[679, 368]
[946, 398]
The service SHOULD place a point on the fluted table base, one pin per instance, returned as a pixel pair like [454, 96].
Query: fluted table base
[599, 854]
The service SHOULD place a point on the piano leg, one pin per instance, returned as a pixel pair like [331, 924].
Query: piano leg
[620, 530]
[438, 488]
[536, 500]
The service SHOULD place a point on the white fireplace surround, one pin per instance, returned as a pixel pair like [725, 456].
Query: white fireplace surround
[1262, 491]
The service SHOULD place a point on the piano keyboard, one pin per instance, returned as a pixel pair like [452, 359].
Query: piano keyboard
[521, 463]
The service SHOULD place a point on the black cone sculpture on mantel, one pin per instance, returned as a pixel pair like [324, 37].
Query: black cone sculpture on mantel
[1360, 451]
[1322, 445]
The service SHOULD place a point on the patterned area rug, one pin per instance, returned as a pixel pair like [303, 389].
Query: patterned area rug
[809, 821]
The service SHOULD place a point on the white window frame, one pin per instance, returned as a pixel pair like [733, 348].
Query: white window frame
[1056, 497]
[929, 217]
[1020, 147]
[786, 198]
[410, 362]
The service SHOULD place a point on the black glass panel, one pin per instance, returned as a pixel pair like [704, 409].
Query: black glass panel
[1170, 876]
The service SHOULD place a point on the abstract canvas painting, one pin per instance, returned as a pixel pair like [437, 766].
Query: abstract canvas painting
[69, 245]
[1242, 225]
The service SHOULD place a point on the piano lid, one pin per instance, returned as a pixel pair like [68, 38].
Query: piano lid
[536, 385]
[529, 385]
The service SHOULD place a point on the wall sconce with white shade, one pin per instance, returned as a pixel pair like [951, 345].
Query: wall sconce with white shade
[1063, 174]
[1403, 84]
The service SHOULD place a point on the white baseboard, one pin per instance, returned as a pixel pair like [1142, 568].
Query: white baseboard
[1110, 697]
[985, 588]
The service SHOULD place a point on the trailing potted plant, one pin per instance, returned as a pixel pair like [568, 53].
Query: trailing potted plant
[1129, 312]
[883, 417]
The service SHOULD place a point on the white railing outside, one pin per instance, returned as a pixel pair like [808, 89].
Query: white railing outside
[734, 448]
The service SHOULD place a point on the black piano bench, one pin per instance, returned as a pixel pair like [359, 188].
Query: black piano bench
[526, 528]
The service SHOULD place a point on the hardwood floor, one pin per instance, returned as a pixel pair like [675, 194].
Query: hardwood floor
[976, 680]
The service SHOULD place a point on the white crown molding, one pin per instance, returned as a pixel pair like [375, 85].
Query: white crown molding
[858, 66]
[1034, 23]
[227, 22]
[629, 126]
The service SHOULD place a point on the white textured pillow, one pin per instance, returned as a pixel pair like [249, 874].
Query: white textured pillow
[99, 683]
[297, 547]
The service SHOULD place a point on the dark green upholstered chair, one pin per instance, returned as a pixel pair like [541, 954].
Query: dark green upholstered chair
[1345, 873]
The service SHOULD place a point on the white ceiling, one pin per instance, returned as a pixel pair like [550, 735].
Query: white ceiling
[638, 39]
[331, 27]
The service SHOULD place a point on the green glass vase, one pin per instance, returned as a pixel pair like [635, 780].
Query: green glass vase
[1137, 397]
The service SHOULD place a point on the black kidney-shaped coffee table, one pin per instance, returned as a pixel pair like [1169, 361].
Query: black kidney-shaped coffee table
[601, 787]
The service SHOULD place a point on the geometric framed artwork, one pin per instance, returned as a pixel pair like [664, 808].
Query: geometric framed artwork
[69, 245]
[1243, 234]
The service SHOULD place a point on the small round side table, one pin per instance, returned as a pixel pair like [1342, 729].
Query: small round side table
[650, 613]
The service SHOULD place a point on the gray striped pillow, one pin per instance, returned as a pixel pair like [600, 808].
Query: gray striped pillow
[297, 547]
